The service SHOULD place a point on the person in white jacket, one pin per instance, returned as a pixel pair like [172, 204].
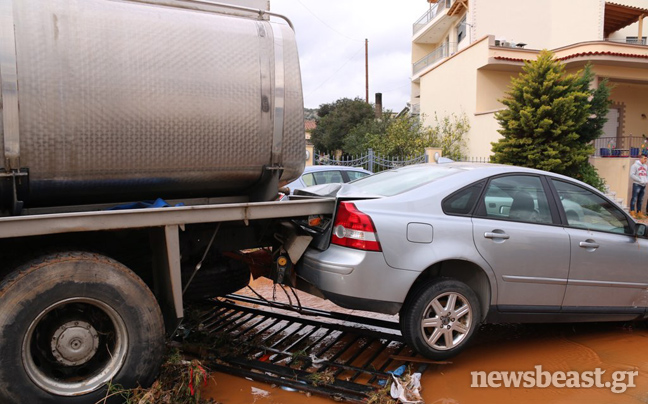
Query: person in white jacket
[639, 177]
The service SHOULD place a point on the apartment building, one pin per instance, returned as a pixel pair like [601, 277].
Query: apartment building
[464, 53]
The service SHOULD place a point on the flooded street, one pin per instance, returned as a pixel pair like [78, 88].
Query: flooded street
[568, 349]
[556, 347]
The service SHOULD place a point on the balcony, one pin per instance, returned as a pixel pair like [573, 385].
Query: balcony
[434, 24]
[434, 10]
[630, 40]
[623, 146]
[442, 52]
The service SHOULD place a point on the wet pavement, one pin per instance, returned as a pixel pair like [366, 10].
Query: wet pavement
[603, 348]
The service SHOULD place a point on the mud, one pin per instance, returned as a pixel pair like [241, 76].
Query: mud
[610, 347]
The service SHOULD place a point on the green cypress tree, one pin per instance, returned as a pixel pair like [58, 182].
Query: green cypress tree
[550, 119]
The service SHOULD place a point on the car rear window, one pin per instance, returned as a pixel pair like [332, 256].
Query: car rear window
[354, 175]
[394, 182]
[328, 177]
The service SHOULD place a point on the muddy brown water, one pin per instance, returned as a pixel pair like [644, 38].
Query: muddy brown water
[577, 347]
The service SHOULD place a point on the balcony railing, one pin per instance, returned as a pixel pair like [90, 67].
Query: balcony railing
[430, 14]
[630, 40]
[443, 51]
[625, 146]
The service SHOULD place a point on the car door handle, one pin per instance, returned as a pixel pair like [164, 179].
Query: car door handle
[588, 244]
[496, 235]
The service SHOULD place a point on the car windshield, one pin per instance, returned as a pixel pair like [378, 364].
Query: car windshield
[396, 181]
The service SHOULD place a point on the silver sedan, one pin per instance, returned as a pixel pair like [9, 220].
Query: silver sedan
[450, 246]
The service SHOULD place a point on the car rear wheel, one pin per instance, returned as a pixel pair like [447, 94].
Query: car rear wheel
[439, 318]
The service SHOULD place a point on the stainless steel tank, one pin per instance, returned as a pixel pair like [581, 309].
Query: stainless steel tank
[107, 100]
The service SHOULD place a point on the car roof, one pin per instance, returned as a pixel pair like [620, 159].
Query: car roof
[459, 174]
[310, 169]
[484, 169]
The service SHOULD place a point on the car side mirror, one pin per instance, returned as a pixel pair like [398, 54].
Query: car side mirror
[640, 230]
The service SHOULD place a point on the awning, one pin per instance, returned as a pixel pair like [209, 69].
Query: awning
[618, 16]
[457, 7]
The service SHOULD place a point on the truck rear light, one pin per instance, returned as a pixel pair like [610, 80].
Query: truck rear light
[354, 229]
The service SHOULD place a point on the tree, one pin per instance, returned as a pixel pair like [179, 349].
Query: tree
[406, 136]
[358, 140]
[337, 120]
[349, 125]
[550, 119]
[449, 133]
[403, 136]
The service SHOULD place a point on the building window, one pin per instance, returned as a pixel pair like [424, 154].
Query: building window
[635, 40]
[461, 29]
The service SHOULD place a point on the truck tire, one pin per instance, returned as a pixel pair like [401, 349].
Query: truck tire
[72, 322]
[439, 318]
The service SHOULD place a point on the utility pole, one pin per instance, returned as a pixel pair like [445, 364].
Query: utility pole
[367, 70]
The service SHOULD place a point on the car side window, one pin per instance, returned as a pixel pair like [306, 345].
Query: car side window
[308, 179]
[520, 198]
[585, 209]
[462, 201]
[328, 177]
[354, 175]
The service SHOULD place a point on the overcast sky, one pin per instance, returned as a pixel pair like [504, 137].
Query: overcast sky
[331, 39]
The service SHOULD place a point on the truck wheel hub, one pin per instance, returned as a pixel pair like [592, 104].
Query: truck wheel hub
[74, 343]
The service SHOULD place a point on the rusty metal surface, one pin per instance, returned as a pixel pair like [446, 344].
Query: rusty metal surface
[337, 355]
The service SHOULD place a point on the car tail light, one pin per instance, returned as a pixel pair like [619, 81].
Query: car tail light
[354, 229]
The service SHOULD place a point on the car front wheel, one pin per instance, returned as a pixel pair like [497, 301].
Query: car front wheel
[439, 318]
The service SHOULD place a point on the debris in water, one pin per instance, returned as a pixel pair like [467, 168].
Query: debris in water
[407, 390]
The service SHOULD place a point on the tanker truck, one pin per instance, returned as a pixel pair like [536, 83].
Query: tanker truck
[144, 142]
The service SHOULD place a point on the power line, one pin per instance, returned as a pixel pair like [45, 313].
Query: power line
[399, 87]
[329, 27]
[335, 72]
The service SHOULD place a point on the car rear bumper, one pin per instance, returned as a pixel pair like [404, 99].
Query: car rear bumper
[356, 279]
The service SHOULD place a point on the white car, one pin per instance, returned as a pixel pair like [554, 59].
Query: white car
[317, 175]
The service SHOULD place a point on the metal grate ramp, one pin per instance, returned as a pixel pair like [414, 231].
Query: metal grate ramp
[332, 354]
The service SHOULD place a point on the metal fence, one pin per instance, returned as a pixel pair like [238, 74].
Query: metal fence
[622, 146]
[476, 159]
[442, 52]
[434, 10]
[371, 161]
[632, 40]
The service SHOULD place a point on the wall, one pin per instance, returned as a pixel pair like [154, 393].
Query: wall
[539, 23]
[421, 50]
[616, 172]
[629, 88]
[491, 87]
[483, 131]
[635, 99]
[451, 86]
[467, 83]
[624, 73]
